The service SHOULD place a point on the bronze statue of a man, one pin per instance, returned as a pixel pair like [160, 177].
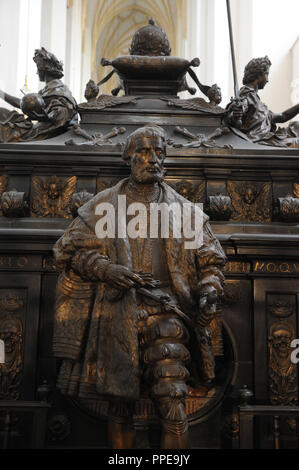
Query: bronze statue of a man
[47, 113]
[125, 304]
[252, 117]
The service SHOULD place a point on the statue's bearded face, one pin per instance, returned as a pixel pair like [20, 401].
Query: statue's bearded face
[147, 162]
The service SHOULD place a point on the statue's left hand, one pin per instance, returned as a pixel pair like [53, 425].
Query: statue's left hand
[207, 306]
[122, 278]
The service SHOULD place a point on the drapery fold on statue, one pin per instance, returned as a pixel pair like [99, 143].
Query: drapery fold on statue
[100, 334]
[61, 108]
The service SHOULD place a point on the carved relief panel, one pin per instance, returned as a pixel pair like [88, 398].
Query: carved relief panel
[19, 318]
[52, 196]
[276, 312]
[251, 201]
[281, 312]
[12, 304]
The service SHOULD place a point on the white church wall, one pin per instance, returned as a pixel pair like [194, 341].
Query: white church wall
[295, 72]
[260, 27]
[275, 29]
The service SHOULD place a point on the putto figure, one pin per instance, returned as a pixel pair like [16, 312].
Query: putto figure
[47, 113]
[125, 305]
[252, 119]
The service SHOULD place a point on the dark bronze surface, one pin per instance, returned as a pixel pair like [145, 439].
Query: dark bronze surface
[250, 192]
[250, 117]
[54, 107]
[150, 60]
[135, 321]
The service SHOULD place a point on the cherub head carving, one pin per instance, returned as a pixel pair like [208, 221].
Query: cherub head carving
[249, 194]
[54, 188]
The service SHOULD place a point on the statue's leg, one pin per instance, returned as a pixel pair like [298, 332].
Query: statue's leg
[121, 432]
[175, 441]
[165, 356]
[174, 422]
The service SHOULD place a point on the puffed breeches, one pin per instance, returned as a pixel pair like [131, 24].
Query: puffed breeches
[163, 358]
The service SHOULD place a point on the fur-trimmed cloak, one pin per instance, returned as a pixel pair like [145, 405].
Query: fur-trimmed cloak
[98, 331]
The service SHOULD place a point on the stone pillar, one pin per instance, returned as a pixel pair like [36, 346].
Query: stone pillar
[74, 49]
[9, 40]
[295, 73]
[29, 40]
[54, 27]
[207, 38]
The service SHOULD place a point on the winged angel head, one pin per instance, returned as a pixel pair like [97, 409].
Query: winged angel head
[53, 197]
[252, 202]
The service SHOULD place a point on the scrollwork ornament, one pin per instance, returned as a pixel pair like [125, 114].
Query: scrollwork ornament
[3, 186]
[220, 207]
[288, 209]
[14, 204]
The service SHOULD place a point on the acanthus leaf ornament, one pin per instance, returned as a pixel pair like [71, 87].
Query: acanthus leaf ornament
[3, 186]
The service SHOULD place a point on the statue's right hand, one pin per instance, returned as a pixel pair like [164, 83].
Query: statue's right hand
[122, 278]
[237, 113]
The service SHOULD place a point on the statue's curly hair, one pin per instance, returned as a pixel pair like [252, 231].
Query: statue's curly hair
[255, 69]
[48, 62]
[214, 93]
[149, 130]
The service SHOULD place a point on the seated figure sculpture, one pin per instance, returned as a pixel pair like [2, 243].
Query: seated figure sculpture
[124, 306]
[47, 113]
[251, 118]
